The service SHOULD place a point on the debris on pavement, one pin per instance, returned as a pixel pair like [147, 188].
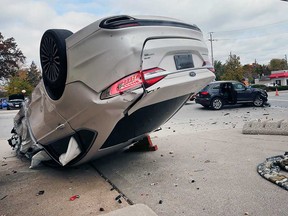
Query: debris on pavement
[41, 192]
[118, 197]
[3, 197]
[74, 197]
[153, 184]
[160, 201]
[271, 170]
[101, 209]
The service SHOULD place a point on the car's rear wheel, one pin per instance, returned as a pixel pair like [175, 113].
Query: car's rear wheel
[54, 61]
[258, 101]
[217, 103]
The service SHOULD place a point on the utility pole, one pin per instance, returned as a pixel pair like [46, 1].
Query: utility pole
[286, 61]
[211, 42]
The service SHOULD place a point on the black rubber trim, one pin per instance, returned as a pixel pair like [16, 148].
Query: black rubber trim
[143, 121]
[124, 21]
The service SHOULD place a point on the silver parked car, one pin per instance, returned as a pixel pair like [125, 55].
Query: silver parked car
[109, 85]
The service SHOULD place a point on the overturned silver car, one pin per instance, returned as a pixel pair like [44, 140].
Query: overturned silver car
[108, 86]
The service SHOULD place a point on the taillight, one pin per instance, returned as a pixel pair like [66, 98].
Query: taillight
[204, 93]
[152, 76]
[134, 81]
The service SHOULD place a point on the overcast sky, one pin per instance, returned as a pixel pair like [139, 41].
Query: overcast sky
[252, 29]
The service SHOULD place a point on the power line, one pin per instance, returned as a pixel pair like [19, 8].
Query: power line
[248, 28]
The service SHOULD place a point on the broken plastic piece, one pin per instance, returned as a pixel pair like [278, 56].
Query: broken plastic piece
[74, 197]
[38, 158]
[72, 152]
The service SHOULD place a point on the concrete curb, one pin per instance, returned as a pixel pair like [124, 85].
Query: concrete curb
[135, 210]
[268, 127]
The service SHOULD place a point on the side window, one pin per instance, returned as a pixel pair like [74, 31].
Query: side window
[239, 86]
[217, 86]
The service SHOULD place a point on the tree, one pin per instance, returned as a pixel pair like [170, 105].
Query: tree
[33, 74]
[10, 57]
[277, 64]
[219, 69]
[233, 69]
[16, 84]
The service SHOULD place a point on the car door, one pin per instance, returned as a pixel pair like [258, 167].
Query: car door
[46, 123]
[243, 93]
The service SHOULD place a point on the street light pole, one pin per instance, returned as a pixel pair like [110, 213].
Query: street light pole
[211, 42]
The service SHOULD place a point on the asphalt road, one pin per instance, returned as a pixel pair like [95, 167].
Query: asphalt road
[6, 122]
[204, 165]
[279, 101]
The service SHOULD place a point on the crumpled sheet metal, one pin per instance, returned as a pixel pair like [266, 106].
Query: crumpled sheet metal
[21, 129]
[24, 143]
[271, 170]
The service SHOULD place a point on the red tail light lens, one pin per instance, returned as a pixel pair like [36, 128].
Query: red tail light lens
[134, 81]
[204, 93]
[152, 76]
[128, 83]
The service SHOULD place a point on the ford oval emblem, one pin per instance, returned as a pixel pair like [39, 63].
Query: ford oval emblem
[192, 74]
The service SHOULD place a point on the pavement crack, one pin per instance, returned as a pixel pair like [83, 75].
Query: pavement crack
[114, 187]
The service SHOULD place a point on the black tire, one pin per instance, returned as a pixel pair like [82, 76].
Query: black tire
[205, 106]
[53, 59]
[258, 101]
[216, 103]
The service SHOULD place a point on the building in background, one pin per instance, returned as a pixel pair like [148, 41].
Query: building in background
[279, 77]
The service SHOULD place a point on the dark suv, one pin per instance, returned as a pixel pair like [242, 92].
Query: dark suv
[220, 93]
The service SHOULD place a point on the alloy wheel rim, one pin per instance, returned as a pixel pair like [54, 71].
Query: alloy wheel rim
[258, 101]
[50, 59]
[217, 104]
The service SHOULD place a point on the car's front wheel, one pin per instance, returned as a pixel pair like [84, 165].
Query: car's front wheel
[258, 101]
[217, 103]
[54, 61]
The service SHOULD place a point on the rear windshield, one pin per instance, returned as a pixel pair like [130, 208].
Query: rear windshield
[212, 86]
[16, 96]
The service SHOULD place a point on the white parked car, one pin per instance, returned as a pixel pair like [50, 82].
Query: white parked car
[109, 85]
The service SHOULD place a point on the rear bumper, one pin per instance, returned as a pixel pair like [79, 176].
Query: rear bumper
[203, 101]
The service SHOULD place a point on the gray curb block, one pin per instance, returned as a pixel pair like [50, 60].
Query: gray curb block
[268, 127]
[133, 210]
